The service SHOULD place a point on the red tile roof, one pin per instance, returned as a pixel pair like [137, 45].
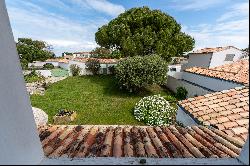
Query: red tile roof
[105, 61]
[212, 50]
[227, 110]
[237, 71]
[137, 141]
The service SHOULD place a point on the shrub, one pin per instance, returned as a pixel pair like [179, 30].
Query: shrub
[33, 77]
[181, 93]
[93, 65]
[75, 70]
[48, 66]
[111, 70]
[137, 72]
[154, 110]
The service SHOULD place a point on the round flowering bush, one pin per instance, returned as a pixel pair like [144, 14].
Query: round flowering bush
[154, 110]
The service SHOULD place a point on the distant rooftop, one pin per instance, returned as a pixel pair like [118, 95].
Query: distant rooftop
[237, 71]
[212, 50]
[227, 110]
[105, 61]
[137, 141]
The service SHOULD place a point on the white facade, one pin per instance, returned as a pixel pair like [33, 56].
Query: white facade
[40, 64]
[184, 118]
[103, 70]
[214, 84]
[198, 60]
[219, 58]
[19, 142]
[82, 54]
[174, 70]
[193, 90]
[209, 60]
[63, 65]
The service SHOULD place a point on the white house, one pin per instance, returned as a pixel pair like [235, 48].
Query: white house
[207, 58]
[104, 63]
[212, 57]
[82, 54]
[200, 81]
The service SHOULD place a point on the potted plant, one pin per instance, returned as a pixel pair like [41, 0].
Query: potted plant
[64, 116]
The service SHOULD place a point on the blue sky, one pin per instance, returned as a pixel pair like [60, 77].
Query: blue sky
[70, 25]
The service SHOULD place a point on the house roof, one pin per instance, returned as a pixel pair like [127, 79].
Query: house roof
[52, 60]
[105, 61]
[212, 50]
[237, 71]
[137, 141]
[58, 60]
[227, 110]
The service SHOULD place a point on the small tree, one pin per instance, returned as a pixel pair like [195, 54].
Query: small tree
[135, 73]
[181, 93]
[75, 70]
[48, 66]
[93, 65]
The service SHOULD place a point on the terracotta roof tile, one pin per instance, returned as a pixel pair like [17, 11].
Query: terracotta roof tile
[123, 141]
[226, 72]
[210, 50]
[232, 113]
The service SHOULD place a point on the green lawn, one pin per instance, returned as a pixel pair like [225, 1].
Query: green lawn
[96, 99]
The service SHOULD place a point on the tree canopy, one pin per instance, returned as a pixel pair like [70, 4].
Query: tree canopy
[33, 50]
[141, 31]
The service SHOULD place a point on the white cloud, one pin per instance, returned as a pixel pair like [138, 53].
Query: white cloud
[64, 34]
[237, 11]
[196, 4]
[234, 33]
[101, 6]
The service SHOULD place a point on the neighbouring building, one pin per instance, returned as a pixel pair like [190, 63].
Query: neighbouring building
[82, 54]
[200, 80]
[227, 110]
[104, 63]
[213, 57]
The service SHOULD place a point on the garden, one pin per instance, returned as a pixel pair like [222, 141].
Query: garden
[144, 41]
[96, 100]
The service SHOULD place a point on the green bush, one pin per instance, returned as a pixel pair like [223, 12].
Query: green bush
[154, 110]
[135, 73]
[48, 66]
[93, 65]
[181, 93]
[75, 70]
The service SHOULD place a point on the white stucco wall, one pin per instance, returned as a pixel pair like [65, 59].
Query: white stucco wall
[56, 64]
[208, 82]
[40, 64]
[19, 142]
[36, 64]
[218, 58]
[174, 73]
[63, 65]
[173, 83]
[86, 72]
[45, 73]
[184, 118]
[199, 60]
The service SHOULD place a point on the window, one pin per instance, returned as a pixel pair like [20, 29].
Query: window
[229, 57]
[172, 69]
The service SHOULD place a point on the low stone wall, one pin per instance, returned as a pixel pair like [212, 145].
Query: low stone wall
[35, 88]
[38, 87]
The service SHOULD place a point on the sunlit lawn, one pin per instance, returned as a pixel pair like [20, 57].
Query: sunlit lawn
[96, 99]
